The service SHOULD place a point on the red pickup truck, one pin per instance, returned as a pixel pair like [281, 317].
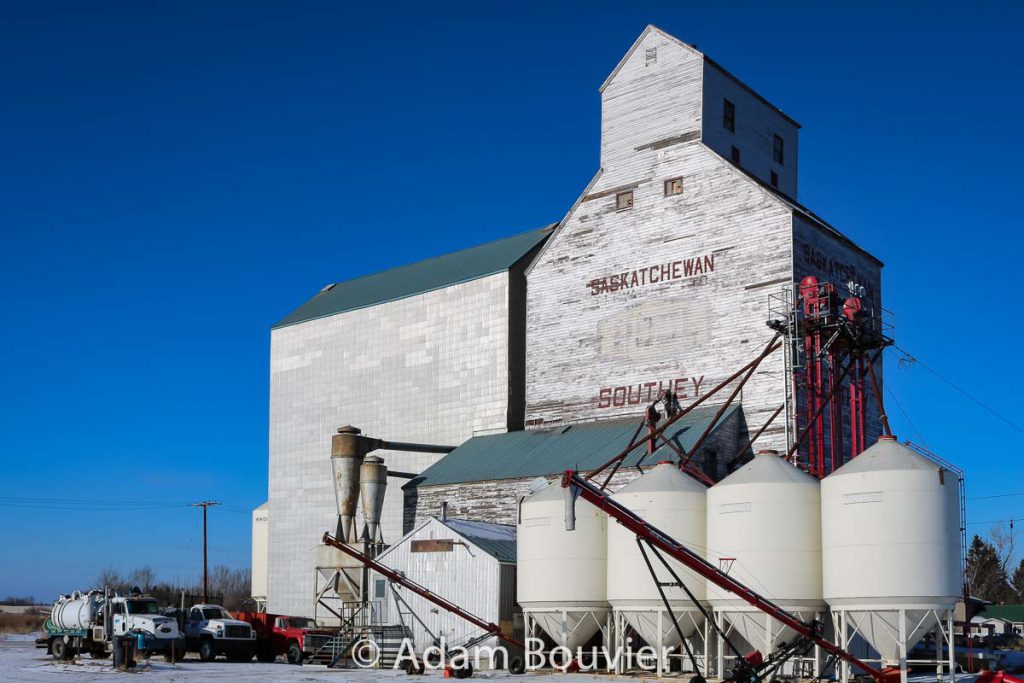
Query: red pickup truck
[277, 634]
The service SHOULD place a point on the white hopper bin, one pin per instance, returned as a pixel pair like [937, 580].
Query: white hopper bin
[561, 574]
[675, 503]
[764, 522]
[891, 548]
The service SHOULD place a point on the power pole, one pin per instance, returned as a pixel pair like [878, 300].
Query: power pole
[206, 586]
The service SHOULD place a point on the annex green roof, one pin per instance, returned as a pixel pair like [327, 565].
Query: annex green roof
[417, 278]
[547, 452]
[1014, 613]
[497, 540]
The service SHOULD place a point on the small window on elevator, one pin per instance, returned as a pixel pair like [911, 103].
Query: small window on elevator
[778, 150]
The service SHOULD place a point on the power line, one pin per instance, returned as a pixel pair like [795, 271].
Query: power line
[85, 505]
[997, 495]
[998, 521]
[906, 416]
[38, 502]
[912, 360]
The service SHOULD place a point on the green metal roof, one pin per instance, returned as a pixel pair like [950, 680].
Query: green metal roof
[497, 540]
[416, 278]
[547, 452]
[1014, 613]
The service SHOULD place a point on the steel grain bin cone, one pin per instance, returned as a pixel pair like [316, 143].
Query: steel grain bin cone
[561, 574]
[764, 530]
[675, 503]
[891, 546]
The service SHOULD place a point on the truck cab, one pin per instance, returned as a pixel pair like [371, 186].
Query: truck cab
[140, 616]
[211, 630]
[278, 634]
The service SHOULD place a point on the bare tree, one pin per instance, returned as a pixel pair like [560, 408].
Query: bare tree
[1003, 540]
[111, 578]
[235, 585]
[143, 577]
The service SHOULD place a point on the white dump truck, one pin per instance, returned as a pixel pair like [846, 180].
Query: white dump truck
[90, 622]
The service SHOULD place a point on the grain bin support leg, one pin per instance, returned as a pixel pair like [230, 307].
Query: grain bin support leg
[817, 653]
[903, 645]
[706, 626]
[951, 646]
[839, 619]
[661, 650]
[620, 642]
[719, 646]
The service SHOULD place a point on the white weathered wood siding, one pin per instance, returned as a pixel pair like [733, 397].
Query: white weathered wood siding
[467, 576]
[430, 368]
[692, 331]
[647, 102]
[756, 124]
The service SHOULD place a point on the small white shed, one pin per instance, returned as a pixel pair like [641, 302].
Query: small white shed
[472, 564]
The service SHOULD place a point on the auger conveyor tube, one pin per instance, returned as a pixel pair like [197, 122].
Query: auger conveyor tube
[634, 523]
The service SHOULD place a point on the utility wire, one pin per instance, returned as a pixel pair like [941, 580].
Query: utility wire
[40, 503]
[997, 521]
[997, 495]
[84, 501]
[906, 416]
[85, 507]
[911, 359]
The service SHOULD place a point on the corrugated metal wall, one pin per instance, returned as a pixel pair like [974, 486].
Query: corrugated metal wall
[465, 575]
[429, 368]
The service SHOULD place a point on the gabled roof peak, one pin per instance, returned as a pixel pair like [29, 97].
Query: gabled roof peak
[651, 28]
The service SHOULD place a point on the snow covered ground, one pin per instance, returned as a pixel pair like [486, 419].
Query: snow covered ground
[21, 662]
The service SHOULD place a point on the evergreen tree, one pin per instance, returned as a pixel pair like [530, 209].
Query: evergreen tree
[986, 573]
[1018, 582]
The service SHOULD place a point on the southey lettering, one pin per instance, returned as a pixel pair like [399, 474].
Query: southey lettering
[646, 392]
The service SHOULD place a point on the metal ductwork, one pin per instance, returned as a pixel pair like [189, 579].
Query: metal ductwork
[349, 448]
[373, 482]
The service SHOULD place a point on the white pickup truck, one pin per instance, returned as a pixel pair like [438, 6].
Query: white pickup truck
[211, 630]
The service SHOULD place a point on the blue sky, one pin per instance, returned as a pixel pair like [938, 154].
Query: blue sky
[177, 176]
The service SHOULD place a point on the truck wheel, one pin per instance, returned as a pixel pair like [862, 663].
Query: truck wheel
[207, 651]
[295, 654]
[63, 651]
[99, 652]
